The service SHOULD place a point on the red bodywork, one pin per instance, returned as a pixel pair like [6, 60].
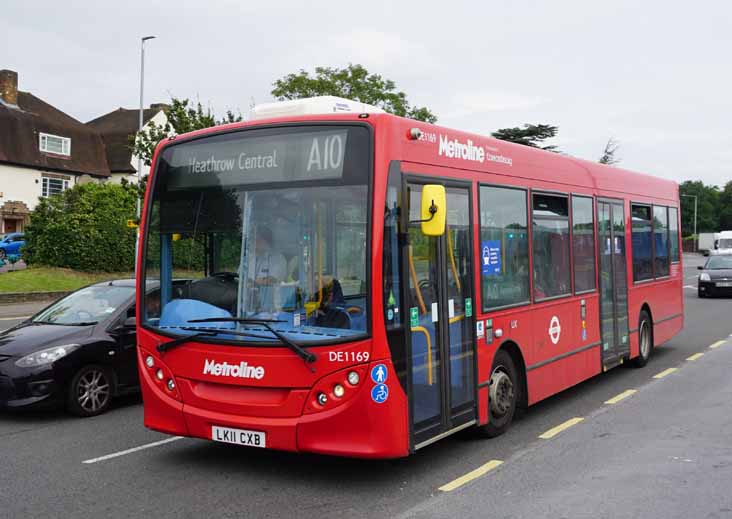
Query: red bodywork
[283, 403]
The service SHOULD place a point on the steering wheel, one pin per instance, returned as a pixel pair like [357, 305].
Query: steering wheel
[83, 315]
[226, 276]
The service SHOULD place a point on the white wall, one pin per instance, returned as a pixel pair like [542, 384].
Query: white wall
[160, 119]
[20, 184]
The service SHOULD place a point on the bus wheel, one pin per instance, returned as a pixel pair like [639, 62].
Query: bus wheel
[645, 340]
[502, 395]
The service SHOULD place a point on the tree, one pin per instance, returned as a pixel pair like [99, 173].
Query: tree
[183, 117]
[608, 156]
[708, 207]
[353, 82]
[532, 135]
[725, 207]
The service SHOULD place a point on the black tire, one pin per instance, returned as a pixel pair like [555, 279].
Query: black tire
[504, 390]
[90, 391]
[645, 340]
[700, 293]
[2, 254]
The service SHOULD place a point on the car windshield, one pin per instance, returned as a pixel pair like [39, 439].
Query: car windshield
[719, 262]
[267, 224]
[88, 305]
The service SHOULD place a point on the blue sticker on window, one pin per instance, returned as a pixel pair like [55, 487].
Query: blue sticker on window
[491, 257]
[379, 393]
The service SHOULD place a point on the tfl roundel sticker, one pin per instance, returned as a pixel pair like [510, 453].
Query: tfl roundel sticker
[555, 329]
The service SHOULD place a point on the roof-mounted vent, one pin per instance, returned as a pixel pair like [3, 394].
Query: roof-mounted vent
[311, 106]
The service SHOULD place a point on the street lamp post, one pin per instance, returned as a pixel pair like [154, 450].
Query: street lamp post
[696, 238]
[139, 130]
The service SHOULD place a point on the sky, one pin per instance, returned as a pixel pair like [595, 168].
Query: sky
[654, 75]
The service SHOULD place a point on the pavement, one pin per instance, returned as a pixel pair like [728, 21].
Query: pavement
[663, 451]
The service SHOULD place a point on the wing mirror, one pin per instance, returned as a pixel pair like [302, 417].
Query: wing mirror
[700, 267]
[433, 210]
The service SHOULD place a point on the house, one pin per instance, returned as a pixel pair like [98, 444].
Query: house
[116, 129]
[43, 151]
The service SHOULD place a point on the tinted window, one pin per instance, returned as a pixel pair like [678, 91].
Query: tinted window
[551, 246]
[660, 237]
[673, 233]
[504, 246]
[642, 245]
[583, 243]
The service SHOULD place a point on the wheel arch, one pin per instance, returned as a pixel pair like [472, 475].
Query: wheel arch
[513, 349]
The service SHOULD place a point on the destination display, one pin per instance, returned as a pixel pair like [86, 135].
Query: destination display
[238, 159]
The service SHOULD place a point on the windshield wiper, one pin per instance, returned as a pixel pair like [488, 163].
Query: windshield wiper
[308, 356]
[165, 346]
[80, 323]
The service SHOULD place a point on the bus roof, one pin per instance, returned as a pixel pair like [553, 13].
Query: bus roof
[423, 143]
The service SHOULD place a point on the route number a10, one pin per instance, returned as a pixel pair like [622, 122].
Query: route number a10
[348, 356]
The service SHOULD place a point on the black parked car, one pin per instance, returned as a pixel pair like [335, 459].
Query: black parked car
[79, 352]
[716, 276]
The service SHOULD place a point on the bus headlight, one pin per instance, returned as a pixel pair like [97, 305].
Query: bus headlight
[338, 390]
[353, 378]
[322, 398]
[149, 361]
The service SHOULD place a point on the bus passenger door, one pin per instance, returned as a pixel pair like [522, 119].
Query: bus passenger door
[440, 302]
[613, 283]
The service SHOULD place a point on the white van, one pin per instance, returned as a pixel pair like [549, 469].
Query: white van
[722, 243]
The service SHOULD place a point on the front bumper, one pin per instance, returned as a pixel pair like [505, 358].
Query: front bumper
[711, 288]
[22, 387]
[357, 428]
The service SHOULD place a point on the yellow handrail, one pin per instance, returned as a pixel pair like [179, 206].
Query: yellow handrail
[452, 258]
[422, 329]
[417, 290]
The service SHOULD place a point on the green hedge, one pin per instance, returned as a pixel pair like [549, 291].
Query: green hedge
[84, 228]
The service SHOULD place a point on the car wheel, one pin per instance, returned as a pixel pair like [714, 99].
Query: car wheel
[645, 340]
[2, 254]
[503, 391]
[90, 391]
[700, 293]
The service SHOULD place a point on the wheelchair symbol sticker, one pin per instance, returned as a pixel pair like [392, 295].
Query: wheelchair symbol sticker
[379, 374]
[379, 393]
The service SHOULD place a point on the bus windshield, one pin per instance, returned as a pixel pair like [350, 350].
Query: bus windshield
[267, 224]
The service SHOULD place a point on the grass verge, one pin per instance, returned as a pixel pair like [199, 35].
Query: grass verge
[51, 279]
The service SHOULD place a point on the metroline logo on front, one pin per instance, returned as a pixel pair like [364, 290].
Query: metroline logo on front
[224, 369]
[456, 149]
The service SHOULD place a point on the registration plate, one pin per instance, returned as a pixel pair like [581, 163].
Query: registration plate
[238, 436]
[725, 284]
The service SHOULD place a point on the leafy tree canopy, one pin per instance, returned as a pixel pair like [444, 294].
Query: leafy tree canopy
[708, 206]
[532, 135]
[353, 82]
[183, 116]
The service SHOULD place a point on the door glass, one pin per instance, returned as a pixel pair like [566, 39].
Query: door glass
[424, 321]
[621, 289]
[605, 246]
[459, 301]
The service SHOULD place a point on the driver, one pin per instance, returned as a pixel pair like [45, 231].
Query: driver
[266, 266]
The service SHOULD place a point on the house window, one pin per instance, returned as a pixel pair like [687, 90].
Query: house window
[54, 144]
[53, 186]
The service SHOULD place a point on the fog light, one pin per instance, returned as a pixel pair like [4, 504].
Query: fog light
[338, 390]
[322, 398]
[159, 374]
[171, 384]
[353, 378]
[149, 361]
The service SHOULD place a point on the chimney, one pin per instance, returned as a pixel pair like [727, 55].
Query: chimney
[9, 86]
[159, 106]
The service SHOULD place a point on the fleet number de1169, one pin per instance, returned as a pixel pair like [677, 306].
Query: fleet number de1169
[348, 356]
